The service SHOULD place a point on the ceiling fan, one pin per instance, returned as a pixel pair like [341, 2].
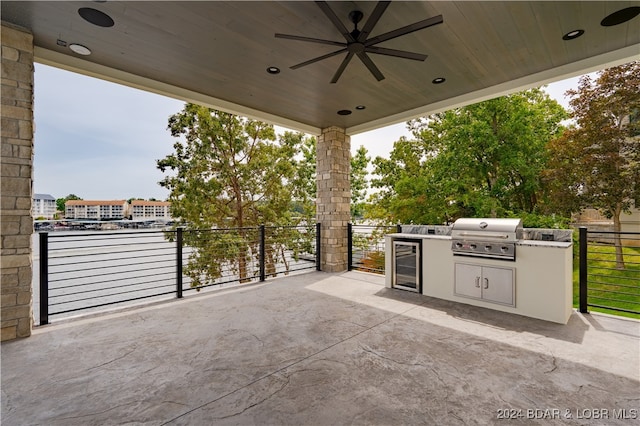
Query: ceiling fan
[358, 43]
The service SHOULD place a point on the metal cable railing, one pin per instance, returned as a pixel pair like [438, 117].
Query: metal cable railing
[609, 271]
[85, 271]
[89, 271]
[366, 247]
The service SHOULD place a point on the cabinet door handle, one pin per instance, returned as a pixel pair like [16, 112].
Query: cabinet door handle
[478, 282]
[486, 283]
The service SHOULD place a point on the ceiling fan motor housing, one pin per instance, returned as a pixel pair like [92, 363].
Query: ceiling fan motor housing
[355, 16]
[358, 42]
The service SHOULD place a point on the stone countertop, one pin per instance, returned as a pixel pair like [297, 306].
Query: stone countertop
[538, 243]
[530, 243]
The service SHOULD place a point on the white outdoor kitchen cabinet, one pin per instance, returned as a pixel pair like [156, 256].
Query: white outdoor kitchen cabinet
[542, 272]
[486, 283]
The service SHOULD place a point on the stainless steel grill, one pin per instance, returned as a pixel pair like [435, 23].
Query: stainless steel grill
[490, 237]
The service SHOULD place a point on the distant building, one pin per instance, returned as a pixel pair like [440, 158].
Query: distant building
[95, 209]
[152, 210]
[44, 205]
[596, 221]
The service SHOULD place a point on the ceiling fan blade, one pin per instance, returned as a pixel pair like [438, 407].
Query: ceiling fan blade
[324, 6]
[309, 39]
[373, 20]
[397, 53]
[366, 60]
[341, 68]
[404, 30]
[319, 58]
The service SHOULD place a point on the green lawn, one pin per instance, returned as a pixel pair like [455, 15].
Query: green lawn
[607, 285]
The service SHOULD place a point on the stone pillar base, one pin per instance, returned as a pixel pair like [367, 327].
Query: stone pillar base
[333, 203]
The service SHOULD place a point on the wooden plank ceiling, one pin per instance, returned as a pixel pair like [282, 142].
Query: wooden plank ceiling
[218, 52]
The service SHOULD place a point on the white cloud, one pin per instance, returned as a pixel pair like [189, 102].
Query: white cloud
[98, 139]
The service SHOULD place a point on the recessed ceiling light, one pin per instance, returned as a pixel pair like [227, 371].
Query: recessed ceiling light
[344, 112]
[80, 49]
[95, 17]
[273, 70]
[621, 16]
[438, 80]
[572, 34]
[360, 107]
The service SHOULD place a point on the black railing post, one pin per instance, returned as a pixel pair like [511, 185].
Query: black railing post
[399, 229]
[262, 253]
[582, 259]
[179, 262]
[44, 278]
[318, 258]
[349, 246]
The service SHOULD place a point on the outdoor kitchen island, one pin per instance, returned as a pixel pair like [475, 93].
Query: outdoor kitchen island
[532, 278]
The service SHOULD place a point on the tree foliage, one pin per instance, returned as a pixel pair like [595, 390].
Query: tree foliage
[480, 160]
[402, 181]
[227, 172]
[60, 202]
[305, 181]
[596, 163]
[359, 183]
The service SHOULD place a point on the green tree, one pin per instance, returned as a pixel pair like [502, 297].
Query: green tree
[401, 180]
[359, 184]
[480, 160]
[305, 180]
[60, 202]
[227, 172]
[597, 162]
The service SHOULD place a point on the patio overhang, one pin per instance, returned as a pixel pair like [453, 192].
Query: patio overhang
[218, 53]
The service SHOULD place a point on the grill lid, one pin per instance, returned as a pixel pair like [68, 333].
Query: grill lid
[486, 228]
[493, 238]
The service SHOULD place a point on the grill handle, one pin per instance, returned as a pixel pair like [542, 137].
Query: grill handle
[483, 235]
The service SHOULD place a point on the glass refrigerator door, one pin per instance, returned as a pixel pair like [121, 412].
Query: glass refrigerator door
[406, 265]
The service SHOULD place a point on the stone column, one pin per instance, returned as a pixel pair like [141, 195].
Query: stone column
[333, 197]
[16, 160]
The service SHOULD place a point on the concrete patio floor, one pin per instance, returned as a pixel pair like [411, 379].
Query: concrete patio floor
[322, 349]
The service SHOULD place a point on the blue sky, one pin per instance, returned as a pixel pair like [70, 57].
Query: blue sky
[100, 140]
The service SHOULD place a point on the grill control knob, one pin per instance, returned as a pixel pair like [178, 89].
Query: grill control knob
[458, 245]
[473, 246]
[487, 248]
[504, 249]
